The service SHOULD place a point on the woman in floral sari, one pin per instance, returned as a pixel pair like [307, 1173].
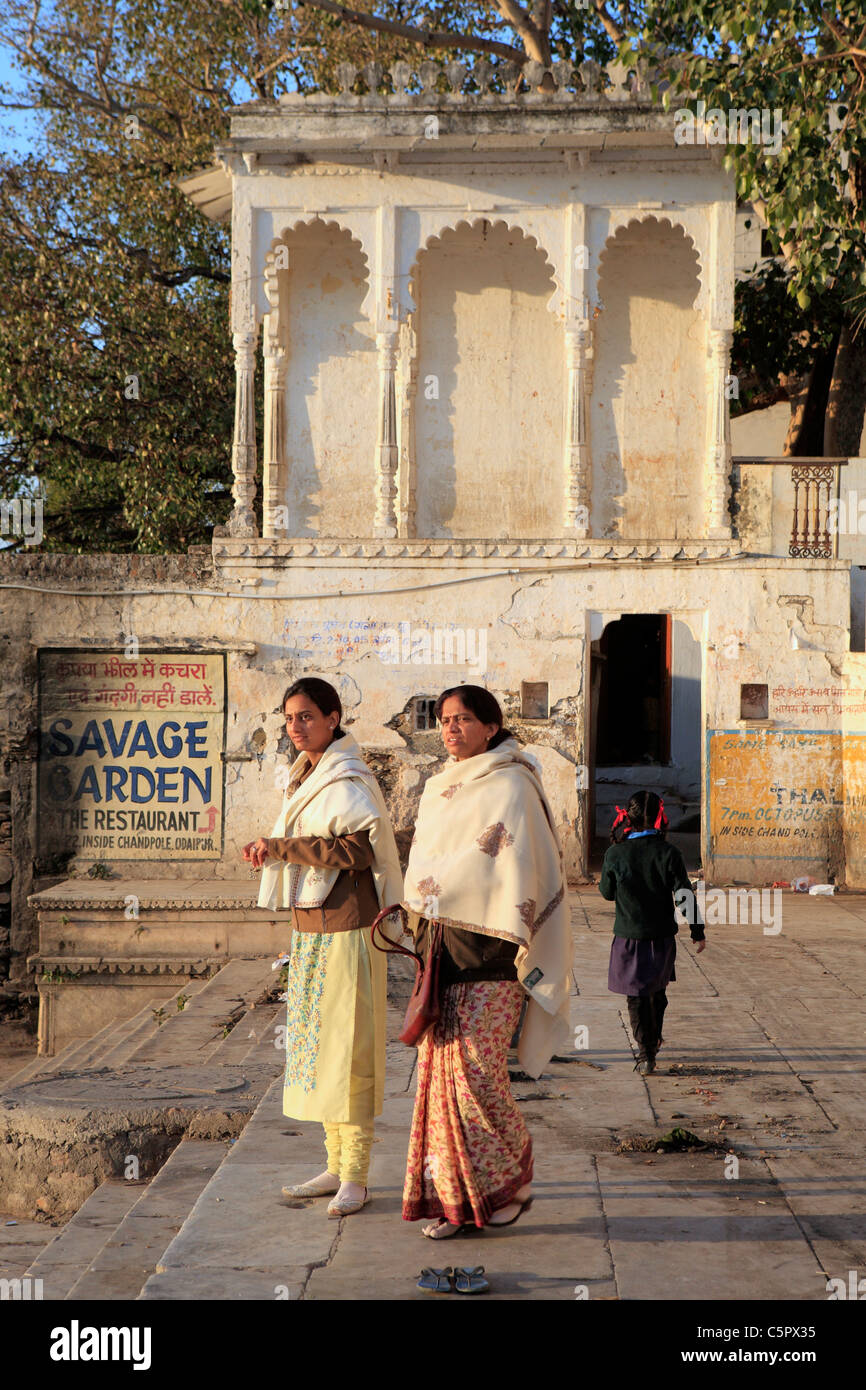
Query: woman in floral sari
[486, 864]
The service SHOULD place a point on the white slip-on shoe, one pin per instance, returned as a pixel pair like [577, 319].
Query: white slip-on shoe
[317, 1187]
[347, 1207]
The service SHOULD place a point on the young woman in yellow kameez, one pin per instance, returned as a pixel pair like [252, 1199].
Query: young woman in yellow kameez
[332, 859]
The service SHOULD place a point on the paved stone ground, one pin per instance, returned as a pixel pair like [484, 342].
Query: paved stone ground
[765, 1040]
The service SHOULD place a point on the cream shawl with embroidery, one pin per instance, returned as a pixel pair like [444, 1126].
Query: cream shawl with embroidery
[340, 797]
[486, 856]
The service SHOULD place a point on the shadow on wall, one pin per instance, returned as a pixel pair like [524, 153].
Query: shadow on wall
[648, 412]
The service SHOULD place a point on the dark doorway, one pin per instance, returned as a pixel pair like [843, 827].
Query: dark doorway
[634, 691]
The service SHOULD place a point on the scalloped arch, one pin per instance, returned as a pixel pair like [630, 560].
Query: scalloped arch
[303, 220]
[671, 222]
[476, 220]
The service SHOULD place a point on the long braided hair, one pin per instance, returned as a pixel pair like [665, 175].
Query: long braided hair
[645, 811]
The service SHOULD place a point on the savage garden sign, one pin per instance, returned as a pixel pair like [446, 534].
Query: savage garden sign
[131, 751]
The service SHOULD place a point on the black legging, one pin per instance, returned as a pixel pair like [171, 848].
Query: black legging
[645, 1014]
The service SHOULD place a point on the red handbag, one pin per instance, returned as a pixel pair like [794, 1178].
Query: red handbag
[422, 1010]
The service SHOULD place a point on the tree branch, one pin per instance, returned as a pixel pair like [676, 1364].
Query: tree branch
[109, 107]
[611, 27]
[536, 40]
[86, 448]
[427, 38]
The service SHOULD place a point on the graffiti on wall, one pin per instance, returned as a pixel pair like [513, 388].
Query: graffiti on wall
[130, 762]
[817, 699]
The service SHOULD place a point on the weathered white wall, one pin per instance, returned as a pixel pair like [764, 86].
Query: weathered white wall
[488, 423]
[648, 423]
[330, 386]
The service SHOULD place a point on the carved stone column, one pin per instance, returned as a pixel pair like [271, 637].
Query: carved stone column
[386, 447]
[243, 521]
[408, 393]
[274, 495]
[578, 470]
[718, 467]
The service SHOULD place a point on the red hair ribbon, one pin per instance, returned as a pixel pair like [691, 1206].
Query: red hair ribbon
[621, 815]
[661, 818]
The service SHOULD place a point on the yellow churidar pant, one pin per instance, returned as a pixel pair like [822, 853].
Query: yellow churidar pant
[334, 1072]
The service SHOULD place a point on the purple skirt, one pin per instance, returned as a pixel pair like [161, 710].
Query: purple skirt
[641, 967]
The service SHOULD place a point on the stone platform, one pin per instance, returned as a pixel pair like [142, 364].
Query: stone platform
[109, 947]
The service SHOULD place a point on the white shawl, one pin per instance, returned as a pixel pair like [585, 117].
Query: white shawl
[340, 797]
[486, 856]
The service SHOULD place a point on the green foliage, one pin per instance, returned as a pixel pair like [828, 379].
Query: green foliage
[772, 333]
[804, 59]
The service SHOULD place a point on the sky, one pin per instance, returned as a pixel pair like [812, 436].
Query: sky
[18, 129]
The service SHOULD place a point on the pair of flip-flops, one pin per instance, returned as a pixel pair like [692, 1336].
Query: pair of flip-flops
[460, 1280]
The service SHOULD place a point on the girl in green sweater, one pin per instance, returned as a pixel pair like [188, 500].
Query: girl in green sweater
[641, 872]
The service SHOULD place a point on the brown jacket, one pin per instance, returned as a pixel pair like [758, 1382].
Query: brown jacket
[353, 901]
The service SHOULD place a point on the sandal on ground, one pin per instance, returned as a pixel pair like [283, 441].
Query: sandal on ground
[316, 1187]
[437, 1280]
[647, 1066]
[467, 1228]
[347, 1208]
[500, 1225]
[471, 1280]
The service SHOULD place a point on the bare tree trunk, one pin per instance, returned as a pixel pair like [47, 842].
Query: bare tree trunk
[846, 405]
[809, 405]
[797, 388]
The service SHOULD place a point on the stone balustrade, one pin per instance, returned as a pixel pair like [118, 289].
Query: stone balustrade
[587, 83]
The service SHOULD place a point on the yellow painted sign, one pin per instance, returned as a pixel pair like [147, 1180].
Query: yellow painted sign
[783, 793]
[130, 763]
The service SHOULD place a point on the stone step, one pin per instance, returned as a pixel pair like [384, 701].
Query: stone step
[131, 1253]
[136, 1031]
[256, 1026]
[271, 1042]
[240, 1240]
[85, 1052]
[62, 1262]
[41, 1065]
[109, 1047]
[197, 1033]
